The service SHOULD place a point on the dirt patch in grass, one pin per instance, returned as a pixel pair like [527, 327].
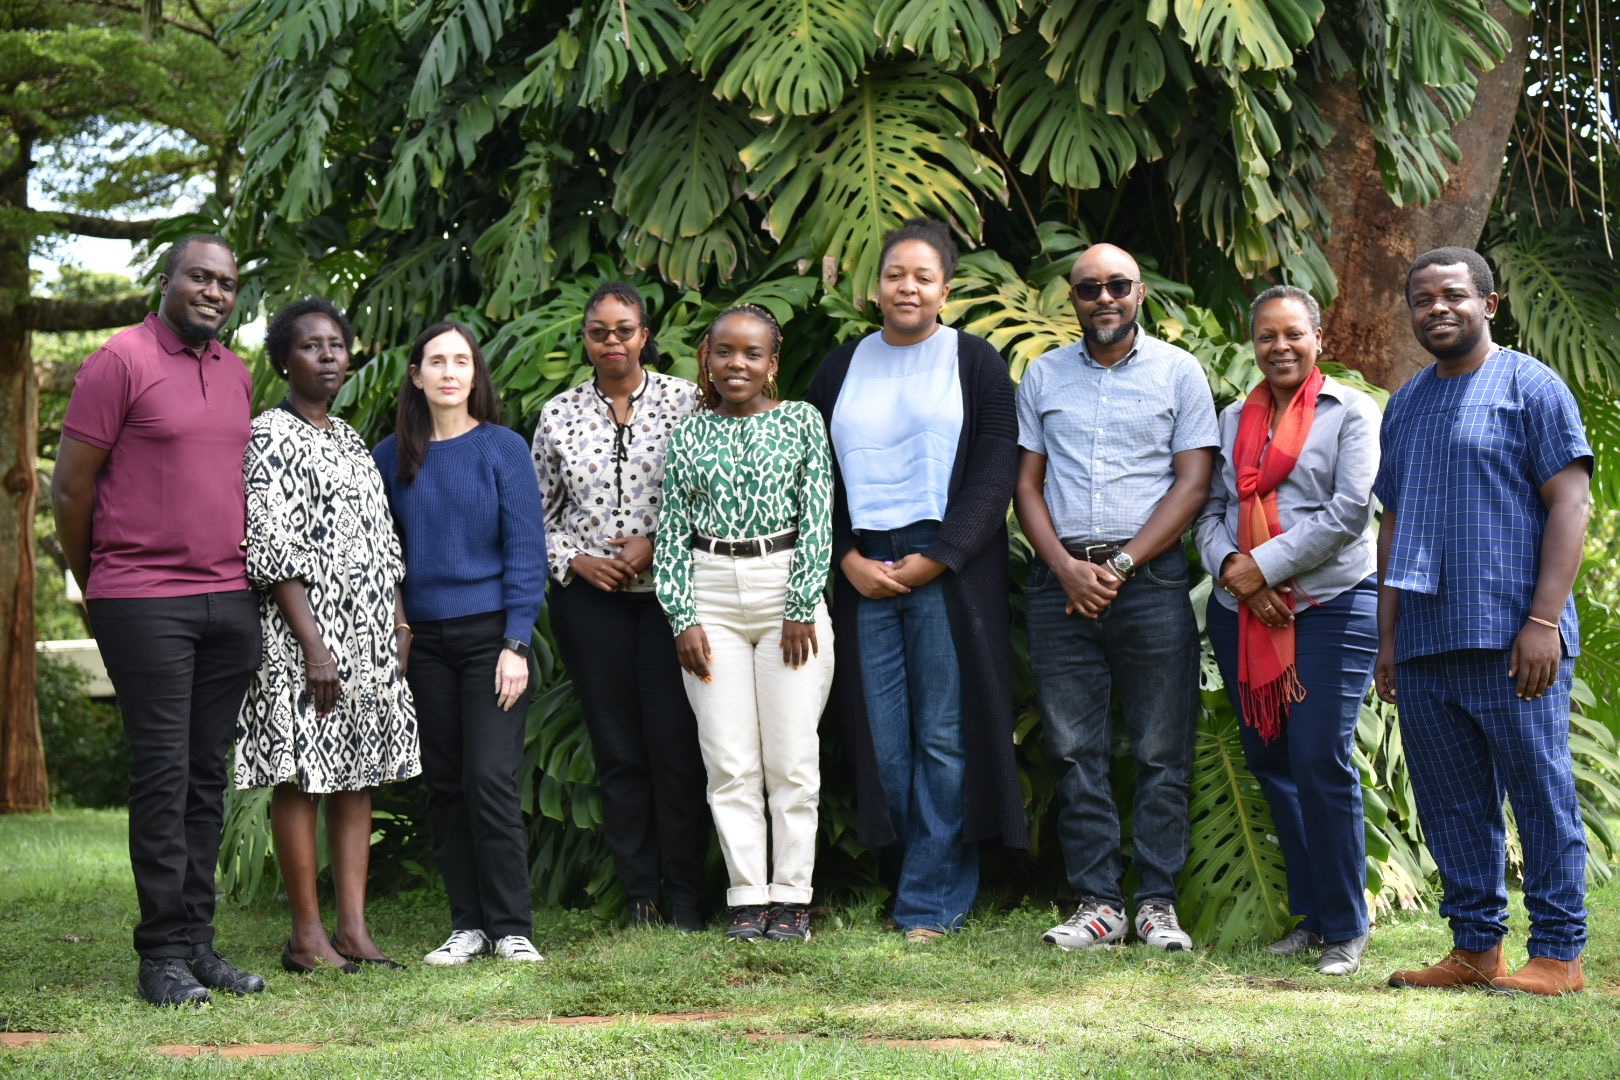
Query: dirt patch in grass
[240, 1050]
[13, 1040]
[968, 1045]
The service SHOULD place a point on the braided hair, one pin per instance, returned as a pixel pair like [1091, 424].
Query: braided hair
[711, 396]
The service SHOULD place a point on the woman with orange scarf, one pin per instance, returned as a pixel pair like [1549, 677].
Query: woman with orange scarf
[1294, 621]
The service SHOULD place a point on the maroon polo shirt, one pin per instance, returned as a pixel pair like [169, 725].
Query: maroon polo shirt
[170, 513]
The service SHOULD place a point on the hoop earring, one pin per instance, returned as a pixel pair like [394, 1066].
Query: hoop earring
[770, 387]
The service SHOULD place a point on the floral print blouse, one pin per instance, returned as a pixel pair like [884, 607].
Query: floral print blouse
[743, 478]
[602, 481]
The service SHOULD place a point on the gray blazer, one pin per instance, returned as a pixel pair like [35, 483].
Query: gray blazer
[1324, 505]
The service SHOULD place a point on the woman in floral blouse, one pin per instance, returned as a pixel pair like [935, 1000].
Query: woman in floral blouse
[744, 549]
[599, 455]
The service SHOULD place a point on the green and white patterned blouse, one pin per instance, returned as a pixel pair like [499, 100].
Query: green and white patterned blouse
[741, 478]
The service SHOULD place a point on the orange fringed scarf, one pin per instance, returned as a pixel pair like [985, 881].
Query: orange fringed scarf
[1268, 682]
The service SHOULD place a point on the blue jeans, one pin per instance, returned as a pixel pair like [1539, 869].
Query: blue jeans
[913, 690]
[1145, 647]
[1309, 779]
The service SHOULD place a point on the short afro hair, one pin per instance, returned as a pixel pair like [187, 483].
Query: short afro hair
[1287, 292]
[278, 336]
[171, 259]
[1478, 268]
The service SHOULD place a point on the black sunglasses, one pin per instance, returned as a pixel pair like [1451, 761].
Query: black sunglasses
[1119, 289]
[600, 334]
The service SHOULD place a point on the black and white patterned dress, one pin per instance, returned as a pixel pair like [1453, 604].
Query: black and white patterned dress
[316, 512]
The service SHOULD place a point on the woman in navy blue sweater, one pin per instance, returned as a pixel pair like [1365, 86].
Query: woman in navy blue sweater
[469, 516]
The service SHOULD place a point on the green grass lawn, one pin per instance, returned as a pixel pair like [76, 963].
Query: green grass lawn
[854, 1002]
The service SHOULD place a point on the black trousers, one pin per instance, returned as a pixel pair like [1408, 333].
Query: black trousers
[180, 666]
[621, 654]
[471, 749]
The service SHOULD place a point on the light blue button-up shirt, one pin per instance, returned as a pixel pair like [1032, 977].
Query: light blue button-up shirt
[1109, 433]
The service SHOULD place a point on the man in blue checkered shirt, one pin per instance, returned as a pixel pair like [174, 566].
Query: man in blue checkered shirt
[1485, 483]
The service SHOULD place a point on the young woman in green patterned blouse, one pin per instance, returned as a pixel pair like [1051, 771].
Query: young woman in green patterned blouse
[743, 552]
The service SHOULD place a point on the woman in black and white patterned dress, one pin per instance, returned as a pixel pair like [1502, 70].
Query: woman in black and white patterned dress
[328, 713]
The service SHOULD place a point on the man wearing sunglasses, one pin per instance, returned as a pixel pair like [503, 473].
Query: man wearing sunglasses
[1118, 439]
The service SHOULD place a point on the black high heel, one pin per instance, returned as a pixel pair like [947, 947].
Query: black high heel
[375, 961]
[289, 964]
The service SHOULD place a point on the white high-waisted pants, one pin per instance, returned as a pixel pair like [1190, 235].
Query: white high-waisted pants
[757, 721]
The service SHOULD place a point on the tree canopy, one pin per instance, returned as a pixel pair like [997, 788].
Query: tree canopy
[111, 111]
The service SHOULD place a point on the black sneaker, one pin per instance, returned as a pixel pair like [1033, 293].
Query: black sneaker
[748, 923]
[217, 973]
[168, 981]
[789, 922]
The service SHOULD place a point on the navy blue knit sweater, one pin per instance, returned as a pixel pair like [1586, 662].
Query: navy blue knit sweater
[472, 527]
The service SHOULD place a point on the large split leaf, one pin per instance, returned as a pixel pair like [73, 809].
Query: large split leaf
[896, 148]
[1564, 296]
[1240, 35]
[1233, 886]
[989, 298]
[1112, 55]
[1048, 125]
[795, 57]
[966, 32]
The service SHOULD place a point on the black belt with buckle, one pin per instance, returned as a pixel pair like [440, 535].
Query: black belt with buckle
[1095, 553]
[746, 549]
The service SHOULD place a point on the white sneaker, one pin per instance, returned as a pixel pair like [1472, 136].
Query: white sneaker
[1156, 925]
[1093, 923]
[517, 947]
[461, 947]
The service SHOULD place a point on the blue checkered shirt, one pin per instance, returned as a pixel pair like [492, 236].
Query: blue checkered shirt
[1464, 461]
[1108, 433]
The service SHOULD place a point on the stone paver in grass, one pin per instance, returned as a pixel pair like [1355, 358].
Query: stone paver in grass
[969, 1045]
[236, 1050]
[589, 1021]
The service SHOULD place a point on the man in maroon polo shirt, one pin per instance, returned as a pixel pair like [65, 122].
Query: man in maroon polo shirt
[150, 511]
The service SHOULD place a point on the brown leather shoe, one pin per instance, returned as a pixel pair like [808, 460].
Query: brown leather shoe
[1545, 976]
[1459, 968]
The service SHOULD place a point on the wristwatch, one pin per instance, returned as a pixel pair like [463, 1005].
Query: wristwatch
[519, 647]
[1121, 564]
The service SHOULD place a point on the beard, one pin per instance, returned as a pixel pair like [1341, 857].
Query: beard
[1109, 337]
[1467, 339]
[200, 332]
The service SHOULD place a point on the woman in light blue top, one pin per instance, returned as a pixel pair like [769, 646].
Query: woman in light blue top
[924, 440]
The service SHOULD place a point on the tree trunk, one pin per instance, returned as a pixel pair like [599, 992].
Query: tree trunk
[23, 785]
[1374, 241]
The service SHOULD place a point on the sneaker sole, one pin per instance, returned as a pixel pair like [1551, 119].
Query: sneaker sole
[1107, 944]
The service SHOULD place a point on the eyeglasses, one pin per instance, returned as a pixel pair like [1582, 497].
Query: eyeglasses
[1119, 289]
[600, 334]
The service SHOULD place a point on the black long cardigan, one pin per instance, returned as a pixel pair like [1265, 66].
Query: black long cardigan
[972, 542]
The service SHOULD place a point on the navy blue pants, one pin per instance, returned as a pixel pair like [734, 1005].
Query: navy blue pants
[1307, 774]
[1469, 739]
